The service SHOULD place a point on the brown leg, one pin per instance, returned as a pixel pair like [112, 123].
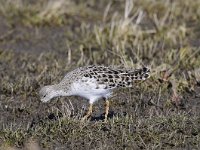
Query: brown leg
[89, 112]
[106, 110]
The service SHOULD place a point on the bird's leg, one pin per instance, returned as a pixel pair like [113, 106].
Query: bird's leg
[89, 112]
[106, 110]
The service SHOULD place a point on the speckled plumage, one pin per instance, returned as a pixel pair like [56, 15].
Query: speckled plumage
[93, 82]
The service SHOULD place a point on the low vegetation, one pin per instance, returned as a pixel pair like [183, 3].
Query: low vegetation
[42, 40]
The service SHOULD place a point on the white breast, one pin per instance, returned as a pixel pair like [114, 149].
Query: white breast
[89, 89]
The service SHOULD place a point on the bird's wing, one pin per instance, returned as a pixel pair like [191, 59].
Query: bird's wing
[111, 78]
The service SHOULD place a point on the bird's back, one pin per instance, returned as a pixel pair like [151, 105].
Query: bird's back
[113, 77]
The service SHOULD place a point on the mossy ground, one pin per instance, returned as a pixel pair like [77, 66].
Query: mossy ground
[42, 40]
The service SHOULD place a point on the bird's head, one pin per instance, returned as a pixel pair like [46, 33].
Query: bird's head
[47, 93]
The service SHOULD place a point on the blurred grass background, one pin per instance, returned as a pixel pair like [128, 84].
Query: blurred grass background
[42, 40]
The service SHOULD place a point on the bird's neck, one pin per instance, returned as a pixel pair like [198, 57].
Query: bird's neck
[60, 91]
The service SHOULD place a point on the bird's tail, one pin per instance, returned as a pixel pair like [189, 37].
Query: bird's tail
[128, 76]
[140, 74]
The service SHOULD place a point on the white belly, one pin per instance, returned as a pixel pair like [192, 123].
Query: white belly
[89, 90]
